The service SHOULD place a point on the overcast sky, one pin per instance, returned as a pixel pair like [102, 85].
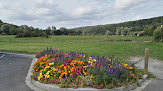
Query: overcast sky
[76, 13]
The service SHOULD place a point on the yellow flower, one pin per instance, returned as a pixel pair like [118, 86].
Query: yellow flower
[39, 77]
[90, 58]
[68, 71]
[51, 63]
[94, 60]
[84, 73]
[59, 77]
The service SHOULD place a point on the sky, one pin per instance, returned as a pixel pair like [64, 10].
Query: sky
[76, 13]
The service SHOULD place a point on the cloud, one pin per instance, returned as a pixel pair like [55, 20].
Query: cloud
[81, 11]
[76, 13]
[127, 3]
[1, 5]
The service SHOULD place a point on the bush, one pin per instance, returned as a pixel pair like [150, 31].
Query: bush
[158, 34]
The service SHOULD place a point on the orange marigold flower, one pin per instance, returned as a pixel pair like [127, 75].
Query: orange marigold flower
[59, 71]
[130, 68]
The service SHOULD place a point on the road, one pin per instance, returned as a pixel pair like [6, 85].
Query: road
[13, 71]
[14, 68]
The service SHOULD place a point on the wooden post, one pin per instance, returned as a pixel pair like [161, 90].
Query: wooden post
[146, 61]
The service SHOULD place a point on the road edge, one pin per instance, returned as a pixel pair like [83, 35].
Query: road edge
[28, 79]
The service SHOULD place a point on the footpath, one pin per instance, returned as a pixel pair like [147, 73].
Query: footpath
[156, 68]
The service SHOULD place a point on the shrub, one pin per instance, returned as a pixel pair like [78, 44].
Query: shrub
[158, 34]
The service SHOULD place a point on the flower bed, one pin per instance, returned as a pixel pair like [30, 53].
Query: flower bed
[74, 70]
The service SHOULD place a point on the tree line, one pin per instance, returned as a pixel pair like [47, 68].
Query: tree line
[147, 26]
[26, 31]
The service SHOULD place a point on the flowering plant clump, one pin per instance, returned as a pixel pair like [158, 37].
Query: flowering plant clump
[70, 69]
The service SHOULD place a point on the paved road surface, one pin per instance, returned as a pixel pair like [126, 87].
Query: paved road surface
[13, 71]
[155, 85]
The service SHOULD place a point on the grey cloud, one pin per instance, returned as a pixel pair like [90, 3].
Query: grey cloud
[43, 13]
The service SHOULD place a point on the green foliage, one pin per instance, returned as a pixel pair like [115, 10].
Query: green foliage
[108, 33]
[149, 30]
[148, 25]
[118, 31]
[138, 25]
[13, 31]
[64, 30]
[5, 29]
[158, 34]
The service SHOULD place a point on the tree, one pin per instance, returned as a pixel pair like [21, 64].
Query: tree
[13, 31]
[20, 29]
[58, 32]
[53, 28]
[158, 34]
[64, 30]
[5, 29]
[108, 33]
[48, 31]
[26, 31]
[125, 30]
[118, 31]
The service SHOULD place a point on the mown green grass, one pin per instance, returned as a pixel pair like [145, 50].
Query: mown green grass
[121, 50]
[76, 38]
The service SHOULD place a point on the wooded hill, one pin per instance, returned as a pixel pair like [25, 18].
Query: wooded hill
[147, 26]
[133, 26]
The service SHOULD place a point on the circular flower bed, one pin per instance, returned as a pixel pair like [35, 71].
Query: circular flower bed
[74, 70]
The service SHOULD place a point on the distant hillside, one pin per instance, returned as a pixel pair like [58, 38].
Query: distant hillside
[146, 26]
[138, 25]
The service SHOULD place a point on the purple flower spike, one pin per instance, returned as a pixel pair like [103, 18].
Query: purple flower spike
[87, 83]
[140, 75]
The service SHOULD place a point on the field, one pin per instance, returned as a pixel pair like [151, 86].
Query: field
[120, 46]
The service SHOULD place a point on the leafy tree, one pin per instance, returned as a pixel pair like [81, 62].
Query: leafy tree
[64, 30]
[5, 29]
[145, 31]
[158, 33]
[13, 31]
[118, 31]
[53, 28]
[108, 33]
[125, 30]
[48, 31]
[26, 31]
[58, 32]
[20, 29]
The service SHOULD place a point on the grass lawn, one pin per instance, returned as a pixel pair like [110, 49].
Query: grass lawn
[120, 50]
